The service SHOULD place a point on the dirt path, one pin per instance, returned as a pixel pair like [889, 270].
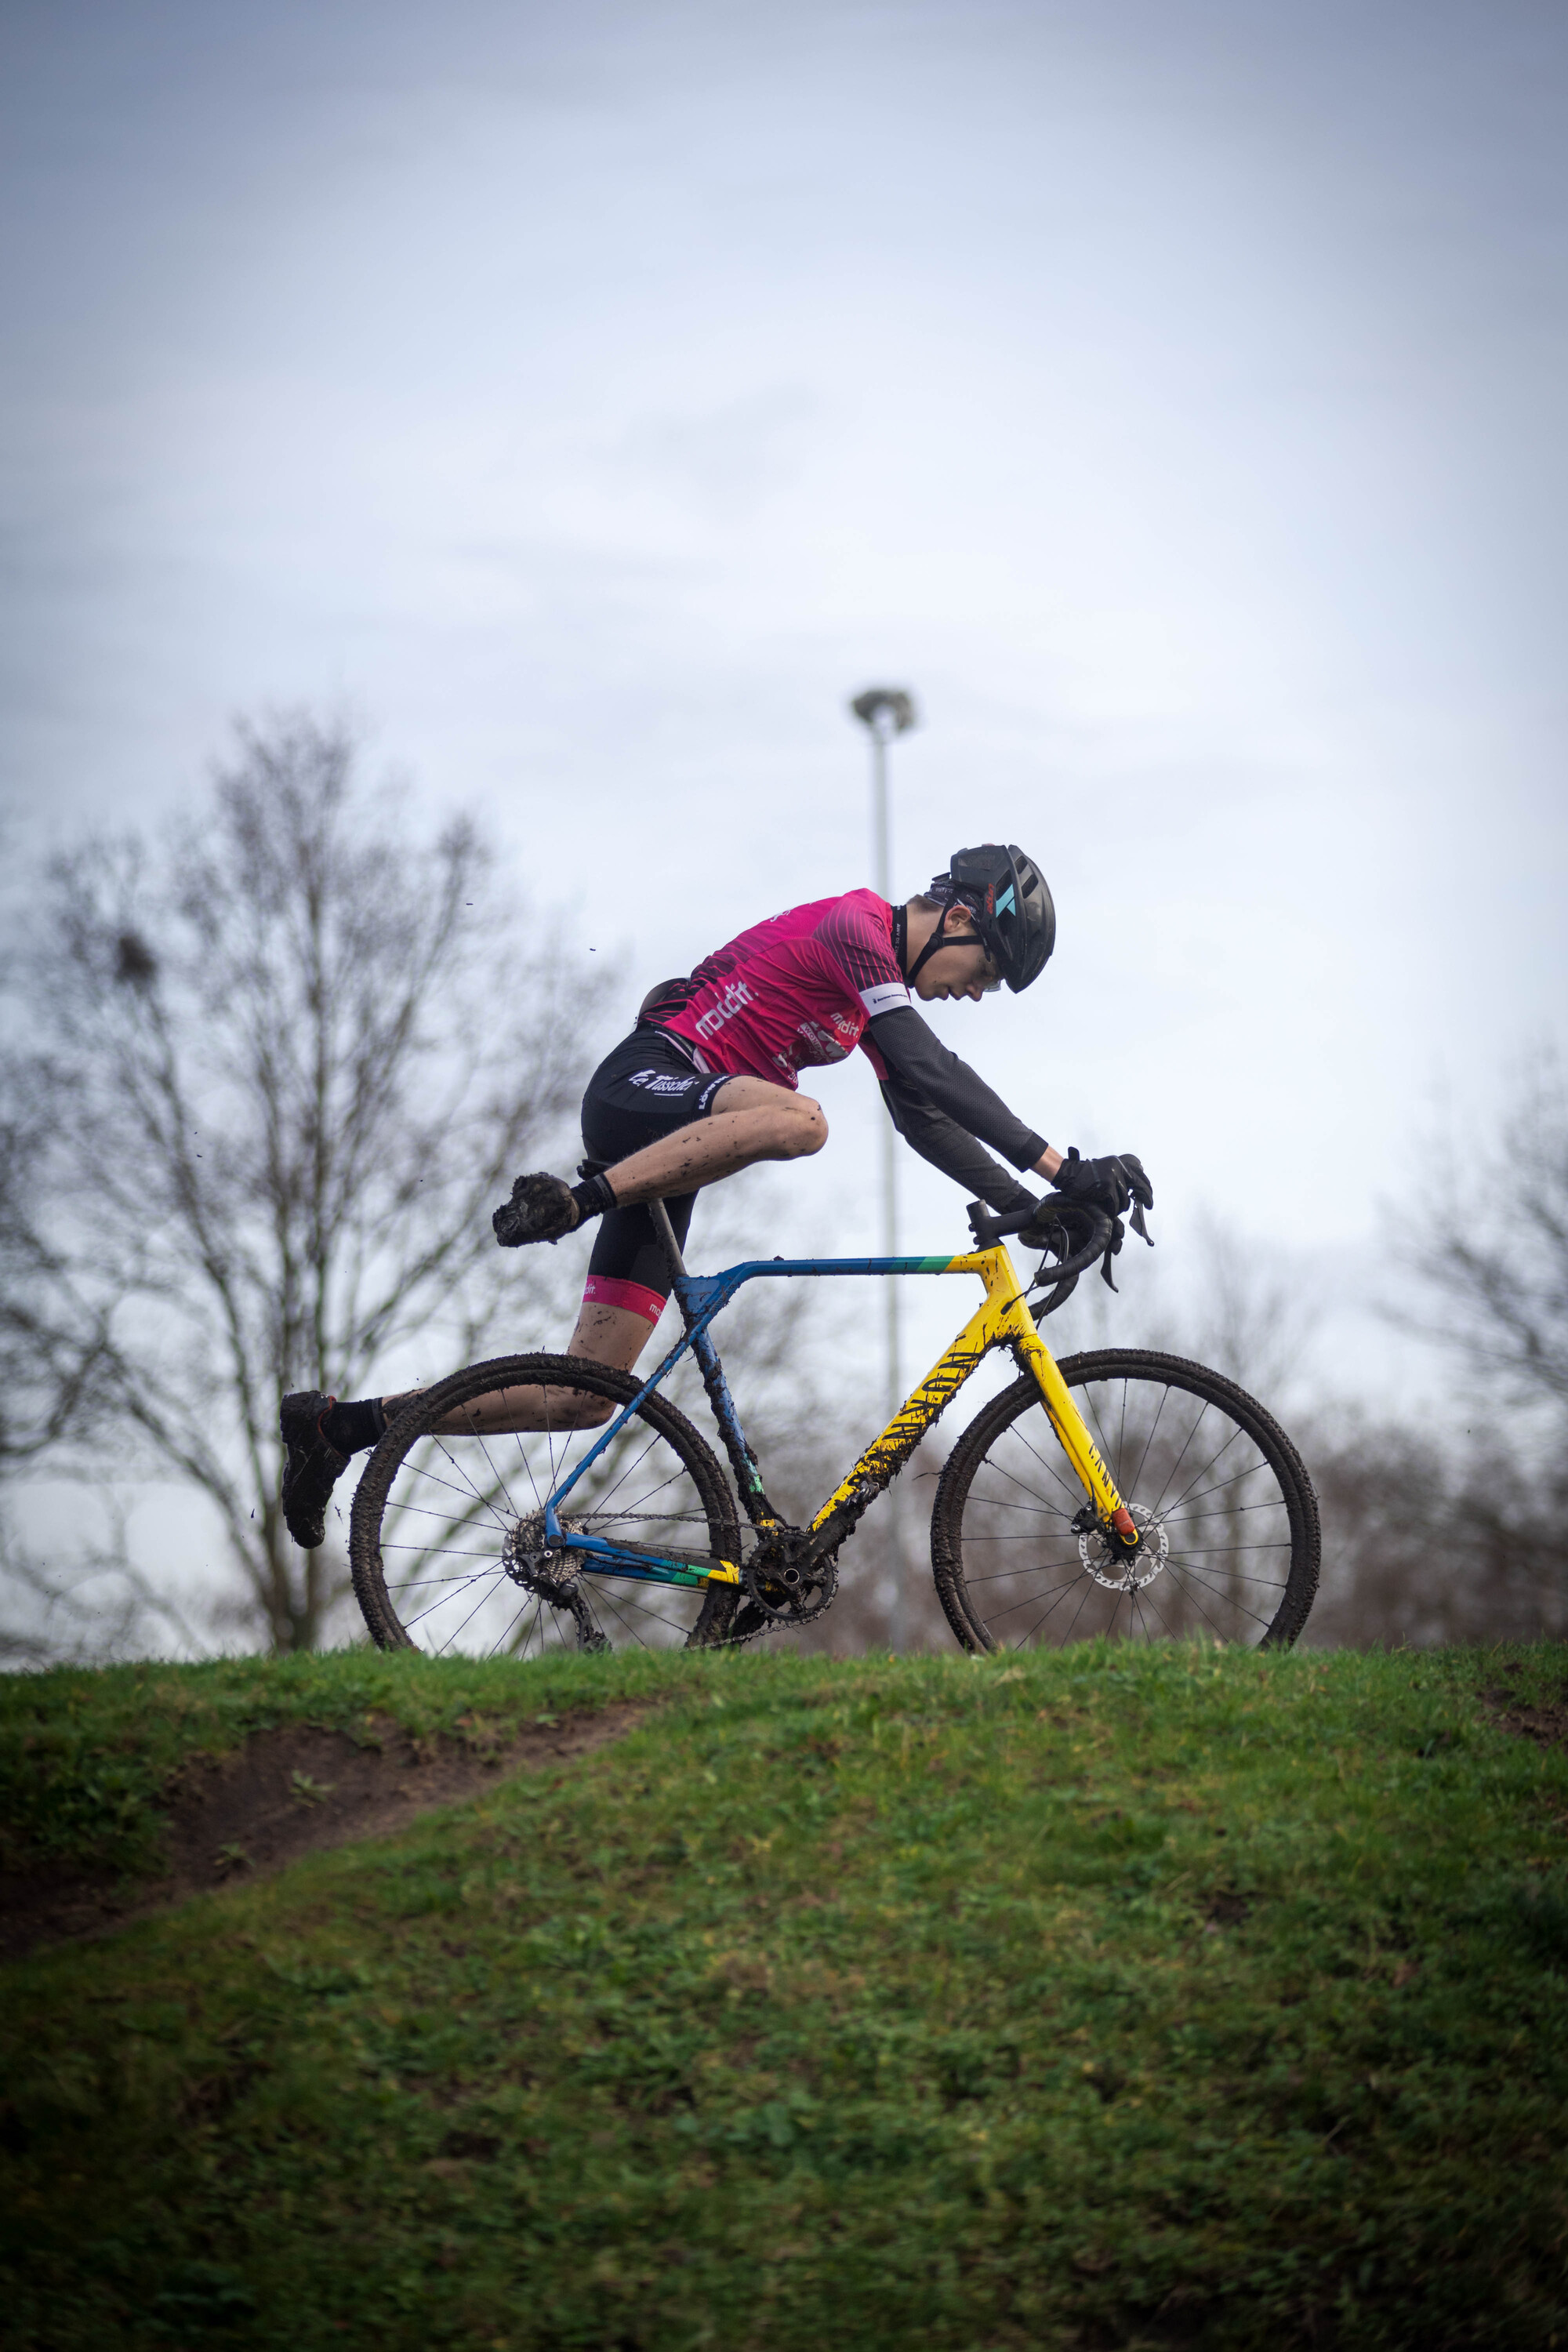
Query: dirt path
[1547, 1725]
[288, 1791]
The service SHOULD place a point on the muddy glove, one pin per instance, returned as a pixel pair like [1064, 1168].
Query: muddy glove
[1112, 1183]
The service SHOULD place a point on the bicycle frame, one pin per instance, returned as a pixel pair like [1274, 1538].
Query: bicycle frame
[1002, 1319]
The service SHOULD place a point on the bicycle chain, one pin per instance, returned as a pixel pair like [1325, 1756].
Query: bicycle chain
[523, 1555]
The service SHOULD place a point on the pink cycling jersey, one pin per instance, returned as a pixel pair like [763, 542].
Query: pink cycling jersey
[795, 992]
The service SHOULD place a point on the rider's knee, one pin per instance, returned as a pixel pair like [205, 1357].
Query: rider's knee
[580, 1410]
[796, 1128]
[811, 1128]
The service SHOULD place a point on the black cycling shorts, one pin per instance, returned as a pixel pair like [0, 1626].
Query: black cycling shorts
[646, 1090]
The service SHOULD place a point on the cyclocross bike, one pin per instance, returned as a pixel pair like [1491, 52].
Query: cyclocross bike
[1118, 1491]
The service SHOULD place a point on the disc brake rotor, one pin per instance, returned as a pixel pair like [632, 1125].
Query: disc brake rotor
[1117, 1570]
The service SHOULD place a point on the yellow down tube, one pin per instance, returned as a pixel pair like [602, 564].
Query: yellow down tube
[1001, 1314]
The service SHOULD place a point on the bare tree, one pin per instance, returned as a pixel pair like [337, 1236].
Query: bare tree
[98, 1605]
[1456, 1536]
[51, 1376]
[275, 1075]
[1428, 1540]
[1489, 1248]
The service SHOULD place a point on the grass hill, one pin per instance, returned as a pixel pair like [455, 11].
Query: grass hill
[1097, 1999]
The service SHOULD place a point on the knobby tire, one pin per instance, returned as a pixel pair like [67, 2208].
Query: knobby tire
[440, 1509]
[1191, 1453]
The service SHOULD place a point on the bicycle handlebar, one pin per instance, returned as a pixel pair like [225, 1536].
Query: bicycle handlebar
[987, 1226]
[1056, 1209]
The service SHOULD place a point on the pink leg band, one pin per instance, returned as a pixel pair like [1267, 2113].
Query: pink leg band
[605, 1290]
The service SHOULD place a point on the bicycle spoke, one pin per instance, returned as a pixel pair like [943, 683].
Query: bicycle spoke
[1091, 1409]
[1219, 1593]
[1029, 1599]
[1214, 1458]
[503, 1643]
[1175, 1466]
[1230, 1511]
[479, 1501]
[1012, 1479]
[1148, 1603]
[1261, 1622]
[1228, 1551]
[463, 1628]
[467, 1489]
[1201, 1493]
[1038, 1511]
[422, 1615]
[495, 1474]
[524, 1459]
[442, 1551]
[619, 1603]
[1073, 1491]
[1008, 1575]
[633, 1463]
[1078, 1613]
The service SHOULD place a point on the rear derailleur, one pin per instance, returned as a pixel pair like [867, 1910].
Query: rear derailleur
[554, 1575]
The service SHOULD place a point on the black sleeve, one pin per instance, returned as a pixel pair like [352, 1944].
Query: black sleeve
[952, 1148]
[919, 1065]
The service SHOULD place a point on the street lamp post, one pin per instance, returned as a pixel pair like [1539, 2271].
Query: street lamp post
[886, 711]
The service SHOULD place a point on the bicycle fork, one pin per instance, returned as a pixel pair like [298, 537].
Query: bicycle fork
[1002, 1316]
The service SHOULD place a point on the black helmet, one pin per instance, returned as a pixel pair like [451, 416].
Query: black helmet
[1005, 892]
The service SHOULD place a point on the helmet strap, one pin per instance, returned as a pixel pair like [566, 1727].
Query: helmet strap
[937, 941]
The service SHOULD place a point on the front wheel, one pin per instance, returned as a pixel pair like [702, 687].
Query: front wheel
[1221, 1497]
[444, 1540]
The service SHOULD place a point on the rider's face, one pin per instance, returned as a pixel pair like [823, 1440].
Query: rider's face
[962, 971]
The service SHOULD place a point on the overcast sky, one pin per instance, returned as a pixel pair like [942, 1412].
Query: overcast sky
[590, 398]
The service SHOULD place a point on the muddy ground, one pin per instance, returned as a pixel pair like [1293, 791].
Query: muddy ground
[288, 1791]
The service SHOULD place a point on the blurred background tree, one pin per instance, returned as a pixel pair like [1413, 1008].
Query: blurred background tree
[1461, 1534]
[273, 1076]
[1489, 1248]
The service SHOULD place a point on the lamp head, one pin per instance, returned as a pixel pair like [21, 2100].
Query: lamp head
[887, 710]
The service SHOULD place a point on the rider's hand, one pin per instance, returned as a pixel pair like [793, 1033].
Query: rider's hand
[1114, 1182]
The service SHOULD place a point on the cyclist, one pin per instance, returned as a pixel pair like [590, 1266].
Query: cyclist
[708, 1083]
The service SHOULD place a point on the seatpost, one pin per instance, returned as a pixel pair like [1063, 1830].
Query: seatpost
[671, 1249]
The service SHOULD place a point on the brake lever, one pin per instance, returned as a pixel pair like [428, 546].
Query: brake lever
[989, 1228]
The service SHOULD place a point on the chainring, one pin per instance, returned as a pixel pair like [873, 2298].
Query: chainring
[784, 1585]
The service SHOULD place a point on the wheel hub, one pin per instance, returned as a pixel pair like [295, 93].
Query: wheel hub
[1118, 1569]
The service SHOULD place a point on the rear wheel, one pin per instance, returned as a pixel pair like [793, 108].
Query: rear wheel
[444, 1540]
[1221, 1497]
